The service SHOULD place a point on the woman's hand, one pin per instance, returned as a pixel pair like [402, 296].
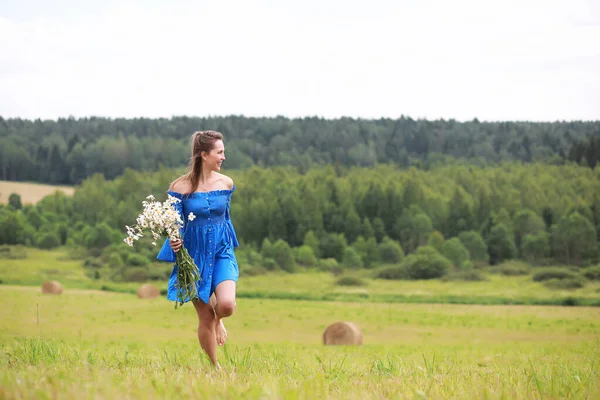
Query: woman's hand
[175, 245]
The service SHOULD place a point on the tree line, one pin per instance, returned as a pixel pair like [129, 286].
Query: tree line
[348, 217]
[69, 150]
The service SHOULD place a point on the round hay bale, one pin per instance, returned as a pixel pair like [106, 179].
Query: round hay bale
[52, 287]
[148, 291]
[342, 333]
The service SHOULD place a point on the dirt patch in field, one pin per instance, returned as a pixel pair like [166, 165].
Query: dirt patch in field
[30, 193]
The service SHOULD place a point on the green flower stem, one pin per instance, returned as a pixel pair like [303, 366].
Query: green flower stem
[187, 276]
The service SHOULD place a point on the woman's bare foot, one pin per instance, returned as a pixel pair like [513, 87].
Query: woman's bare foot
[220, 332]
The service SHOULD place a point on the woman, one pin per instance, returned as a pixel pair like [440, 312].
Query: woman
[209, 238]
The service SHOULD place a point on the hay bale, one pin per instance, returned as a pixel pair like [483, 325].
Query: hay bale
[148, 291]
[52, 287]
[344, 333]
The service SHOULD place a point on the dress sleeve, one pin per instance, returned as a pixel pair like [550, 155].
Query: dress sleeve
[229, 223]
[166, 253]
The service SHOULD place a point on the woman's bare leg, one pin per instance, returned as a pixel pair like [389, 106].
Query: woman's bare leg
[220, 331]
[206, 330]
[225, 306]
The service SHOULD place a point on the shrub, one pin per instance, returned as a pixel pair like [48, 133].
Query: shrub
[13, 252]
[553, 273]
[48, 240]
[513, 269]
[350, 281]
[592, 273]
[392, 273]
[270, 264]
[455, 251]
[137, 260]
[100, 236]
[135, 274]
[14, 201]
[115, 260]
[475, 245]
[390, 251]
[570, 302]
[466, 275]
[91, 262]
[328, 264]
[419, 266]
[284, 256]
[501, 245]
[254, 271]
[564, 284]
[351, 258]
[436, 240]
[332, 246]
[305, 256]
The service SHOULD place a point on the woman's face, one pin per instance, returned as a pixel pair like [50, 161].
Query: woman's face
[215, 158]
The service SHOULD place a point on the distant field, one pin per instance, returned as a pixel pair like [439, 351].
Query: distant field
[30, 193]
[41, 265]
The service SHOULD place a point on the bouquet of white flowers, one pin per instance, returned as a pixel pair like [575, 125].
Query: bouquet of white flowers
[162, 219]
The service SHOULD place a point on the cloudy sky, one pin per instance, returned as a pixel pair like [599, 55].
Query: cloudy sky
[490, 59]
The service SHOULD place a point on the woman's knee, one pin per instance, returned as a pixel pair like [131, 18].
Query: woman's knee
[226, 307]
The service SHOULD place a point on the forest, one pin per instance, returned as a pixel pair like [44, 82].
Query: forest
[410, 222]
[69, 150]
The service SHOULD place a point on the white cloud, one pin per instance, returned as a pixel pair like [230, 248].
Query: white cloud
[526, 60]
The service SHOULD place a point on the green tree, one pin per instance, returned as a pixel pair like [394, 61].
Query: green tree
[461, 216]
[527, 222]
[310, 240]
[305, 256]
[500, 244]
[475, 245]
[284, 256]
[535, 247]
[436, 240]
[574, 239]
[332, 246]
[351, 258]
[367, 229]
[378, 229]
[413, 228]
[101, 236]
[367, 249]
[47, 240]
[454, 251]
[14, 201]
[266, 249]
[14, 228]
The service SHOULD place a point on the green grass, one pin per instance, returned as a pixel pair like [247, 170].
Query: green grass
[43, 265]
[94, 344]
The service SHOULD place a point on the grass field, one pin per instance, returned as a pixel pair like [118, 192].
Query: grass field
[95, 344]
[30, 193]
[41, 265]
[89, 343]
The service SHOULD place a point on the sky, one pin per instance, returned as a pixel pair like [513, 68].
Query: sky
[495, 60]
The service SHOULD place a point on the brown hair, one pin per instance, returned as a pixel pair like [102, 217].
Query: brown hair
[201, 141]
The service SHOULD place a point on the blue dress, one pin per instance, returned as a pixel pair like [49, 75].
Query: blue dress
[209, 238]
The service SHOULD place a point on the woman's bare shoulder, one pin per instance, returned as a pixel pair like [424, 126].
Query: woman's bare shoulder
[227, 181]
[180, 185]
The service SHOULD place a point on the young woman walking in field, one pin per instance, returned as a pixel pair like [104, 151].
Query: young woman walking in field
[209, 238]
